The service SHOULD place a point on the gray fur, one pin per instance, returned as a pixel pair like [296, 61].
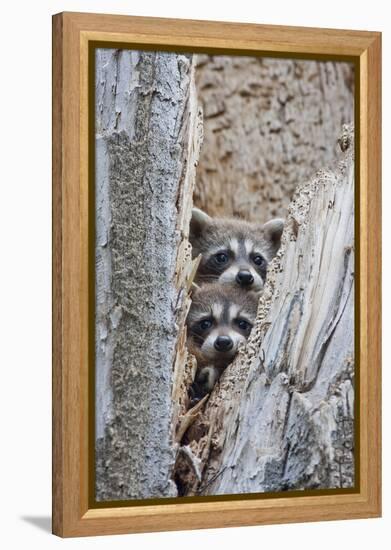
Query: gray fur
[241, 240]
[224, 306]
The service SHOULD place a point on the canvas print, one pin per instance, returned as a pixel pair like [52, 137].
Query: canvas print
[224, 274]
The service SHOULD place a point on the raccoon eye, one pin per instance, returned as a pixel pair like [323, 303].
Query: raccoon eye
[243, 325]
[221, 258]
[205, 324]
[259, 260]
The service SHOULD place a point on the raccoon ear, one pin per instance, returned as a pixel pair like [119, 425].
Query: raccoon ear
[273, 231]
[199, 220]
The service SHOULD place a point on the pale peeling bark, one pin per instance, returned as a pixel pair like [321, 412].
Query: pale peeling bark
[282, 415]
[148, 134]
[269, 124]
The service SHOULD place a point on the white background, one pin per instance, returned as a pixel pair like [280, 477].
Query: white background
[25, 273]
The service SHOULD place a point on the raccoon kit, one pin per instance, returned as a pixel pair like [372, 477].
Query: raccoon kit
[219, 319]
[233, 251]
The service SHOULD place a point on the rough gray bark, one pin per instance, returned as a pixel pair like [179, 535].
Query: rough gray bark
[282, 415]
[147, 139]
[269, 124]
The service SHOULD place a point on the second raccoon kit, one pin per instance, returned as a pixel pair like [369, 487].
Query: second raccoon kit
[232, 272]
[220, 318]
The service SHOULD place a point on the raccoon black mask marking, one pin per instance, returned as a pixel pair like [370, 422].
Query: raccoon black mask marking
[219, 319]
[234, 251]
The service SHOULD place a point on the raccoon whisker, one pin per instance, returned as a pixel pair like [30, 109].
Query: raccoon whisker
[213, 270]
[207, 278]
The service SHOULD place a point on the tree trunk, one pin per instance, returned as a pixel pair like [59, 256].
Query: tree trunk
[148, 135]
[269, 124]
[282, 415]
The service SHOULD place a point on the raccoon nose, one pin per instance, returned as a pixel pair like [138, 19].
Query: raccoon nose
[244, 278]
[223, 343]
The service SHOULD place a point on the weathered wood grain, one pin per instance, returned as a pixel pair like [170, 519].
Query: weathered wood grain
[269, 125]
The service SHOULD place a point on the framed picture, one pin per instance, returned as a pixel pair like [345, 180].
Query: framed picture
[216, 274]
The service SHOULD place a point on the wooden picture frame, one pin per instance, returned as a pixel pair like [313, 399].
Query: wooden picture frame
[72, 33]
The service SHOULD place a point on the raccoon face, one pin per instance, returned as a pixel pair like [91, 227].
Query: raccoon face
[234, 251]
[220, 318]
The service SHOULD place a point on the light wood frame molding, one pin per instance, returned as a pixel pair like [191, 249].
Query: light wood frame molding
[72, 33]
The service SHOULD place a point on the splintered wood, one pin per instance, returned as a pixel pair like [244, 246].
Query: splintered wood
[282, 415]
